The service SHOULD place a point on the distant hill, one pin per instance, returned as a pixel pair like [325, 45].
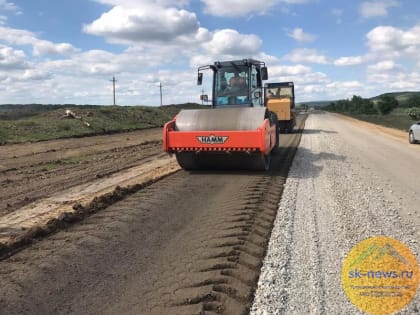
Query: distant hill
[401, 97]
[315, 103]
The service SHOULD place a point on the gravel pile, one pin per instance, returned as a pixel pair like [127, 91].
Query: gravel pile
[330, 202]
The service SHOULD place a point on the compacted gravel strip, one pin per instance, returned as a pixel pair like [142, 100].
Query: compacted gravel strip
[335, 197]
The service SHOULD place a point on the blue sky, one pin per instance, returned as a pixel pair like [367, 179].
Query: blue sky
[58, 52]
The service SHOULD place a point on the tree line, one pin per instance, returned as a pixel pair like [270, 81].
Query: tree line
[383, 105]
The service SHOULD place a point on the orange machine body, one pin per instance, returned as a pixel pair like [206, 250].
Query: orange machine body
[263, 139]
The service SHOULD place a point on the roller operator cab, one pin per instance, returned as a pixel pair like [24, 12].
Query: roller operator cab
[280, 98]
[237, 132]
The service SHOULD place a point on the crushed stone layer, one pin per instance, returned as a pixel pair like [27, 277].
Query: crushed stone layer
[347, 183]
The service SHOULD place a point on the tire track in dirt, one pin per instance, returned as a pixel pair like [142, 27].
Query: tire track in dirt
[192, 243]
[21, 186]
[25, 154]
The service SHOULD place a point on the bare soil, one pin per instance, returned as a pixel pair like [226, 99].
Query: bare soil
[192, 243]
[31, 171]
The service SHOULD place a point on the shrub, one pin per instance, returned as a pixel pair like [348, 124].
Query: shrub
[414, 113]
[413, 101]
[387, 104]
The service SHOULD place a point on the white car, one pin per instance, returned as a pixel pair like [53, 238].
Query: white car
[414, 133]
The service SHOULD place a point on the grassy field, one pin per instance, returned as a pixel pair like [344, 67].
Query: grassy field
[24, 123]
[42, 122]
[397, 119]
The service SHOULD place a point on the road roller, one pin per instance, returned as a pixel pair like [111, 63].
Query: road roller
[236, 132]
[280, 98]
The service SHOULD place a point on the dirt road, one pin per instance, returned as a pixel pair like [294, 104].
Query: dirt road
[348, 182]
[190, 243]
[29, 172]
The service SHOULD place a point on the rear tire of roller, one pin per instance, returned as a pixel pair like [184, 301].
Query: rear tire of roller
[261, 162]
[187, 160]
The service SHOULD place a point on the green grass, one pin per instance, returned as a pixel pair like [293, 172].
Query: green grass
[48, 123]
[401, 97]
[397, 119]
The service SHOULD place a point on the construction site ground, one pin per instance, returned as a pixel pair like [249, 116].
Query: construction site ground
[167, 241]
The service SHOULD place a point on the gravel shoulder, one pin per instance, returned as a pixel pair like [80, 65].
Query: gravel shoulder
[347, 183]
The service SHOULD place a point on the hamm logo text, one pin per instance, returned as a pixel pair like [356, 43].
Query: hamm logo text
[212, 139]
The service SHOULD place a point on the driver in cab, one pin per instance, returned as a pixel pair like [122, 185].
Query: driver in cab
[236, 84]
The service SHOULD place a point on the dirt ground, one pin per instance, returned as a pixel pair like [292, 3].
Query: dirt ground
[191, 243]
[32, 171]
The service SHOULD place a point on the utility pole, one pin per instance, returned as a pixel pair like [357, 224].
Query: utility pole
[160, 88]
[113, 87]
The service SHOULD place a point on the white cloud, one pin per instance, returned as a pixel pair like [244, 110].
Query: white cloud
[295, 1]
[306, 55]
[237, 7]
[344, 89]
[289, 70]
[97, 63]
[391, 41]
[371, 9]
[345, 85]
[307, 82]
[43, 47]
[16, 36]
[11, 59]
[349, 61]
[396, 81]
[201, 60]
[230, 42]
[9, 6]
[35, 75]
[381, 66]
[145, 23]
[40, 47]
[300, 36]
[161, 35]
